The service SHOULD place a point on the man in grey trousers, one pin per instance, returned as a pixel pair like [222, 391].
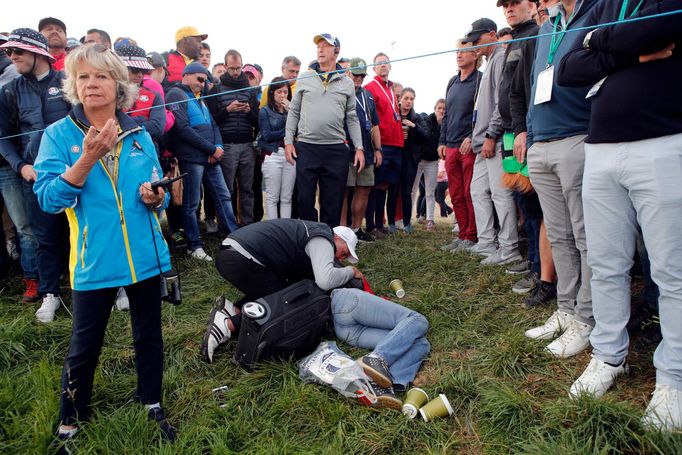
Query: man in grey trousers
[487, 192]
[558, 120]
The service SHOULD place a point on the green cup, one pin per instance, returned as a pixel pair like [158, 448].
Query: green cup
[438, 407]
[415, 399]
[397, 288]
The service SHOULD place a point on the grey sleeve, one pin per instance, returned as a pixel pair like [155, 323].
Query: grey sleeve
[495, 125]
[294, 115]
[321, 254]
[352, 116]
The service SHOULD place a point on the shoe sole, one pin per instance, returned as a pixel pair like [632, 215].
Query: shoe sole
[504, 262]
[376, 376]
[30, 299]
[522, 291]
[386, 402]
[207, 334]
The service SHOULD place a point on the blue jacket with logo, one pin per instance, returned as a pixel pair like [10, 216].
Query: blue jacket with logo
[115, 239]
[27, 105]
[195, 135]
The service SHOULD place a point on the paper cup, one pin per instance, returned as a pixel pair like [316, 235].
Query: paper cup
[438, 407]
[397, 287]
[406, 130]
[415, 399]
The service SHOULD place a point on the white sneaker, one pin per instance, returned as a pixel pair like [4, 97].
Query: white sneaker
[46, 311]
[501, 257]
[211, 226]
[200, 254]
[557, 323]
[483, 250]
[452, 245]
[597, 378]
[122, 302]
[455, 227]
[575, 339]
[217, 332]
[664, 412]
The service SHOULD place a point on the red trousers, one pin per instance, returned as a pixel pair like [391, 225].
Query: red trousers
[460, 169]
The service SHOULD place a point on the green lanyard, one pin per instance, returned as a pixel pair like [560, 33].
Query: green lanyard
[624, 9]
[556, 39]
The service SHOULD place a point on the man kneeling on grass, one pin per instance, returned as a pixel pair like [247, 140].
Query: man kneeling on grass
[265, 257]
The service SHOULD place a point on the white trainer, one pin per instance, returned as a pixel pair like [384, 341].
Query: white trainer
[555, 324]
[200, 254]
[122, 302]
[664, 412]
[501, 257]
[597, 378]
[46, 311]
[483, 250]
[575, 339]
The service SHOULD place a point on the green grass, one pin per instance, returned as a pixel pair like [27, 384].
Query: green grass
[508, 396]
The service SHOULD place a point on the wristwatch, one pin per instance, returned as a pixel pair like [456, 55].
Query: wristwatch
[586, 41]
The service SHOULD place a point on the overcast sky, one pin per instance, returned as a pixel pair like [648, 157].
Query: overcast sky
[266, 31]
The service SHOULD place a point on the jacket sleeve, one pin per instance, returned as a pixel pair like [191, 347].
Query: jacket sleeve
[641, 37]
[54, 193]
[495, 126]
[182, 128]
[519, 95]
[267, 132]
[581, 67]
[156, 123]
[443, 140]
[8, 147]
[253, 113]
[294, 114]
[213, 103]
[421, 129]
[352, 121]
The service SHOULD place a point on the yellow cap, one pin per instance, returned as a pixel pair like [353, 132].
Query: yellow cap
[184, 32]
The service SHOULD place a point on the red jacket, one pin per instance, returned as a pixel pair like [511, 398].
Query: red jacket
[176, 63]
[59, 63]
[390, 125]
[143, 103]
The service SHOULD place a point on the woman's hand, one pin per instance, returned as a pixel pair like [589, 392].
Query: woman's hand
[151, 199]
[96, 145]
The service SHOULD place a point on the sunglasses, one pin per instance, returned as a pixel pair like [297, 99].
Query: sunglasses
[13, 50]
[138, 71]
[201, 80]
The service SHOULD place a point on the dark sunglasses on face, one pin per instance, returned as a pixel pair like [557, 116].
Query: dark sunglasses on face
[201, 80]
[13, 50]
[138, 71]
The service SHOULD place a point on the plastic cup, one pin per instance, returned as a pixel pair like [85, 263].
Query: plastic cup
[406, 130]
[397, 288]
[415, 399]
[438, 407]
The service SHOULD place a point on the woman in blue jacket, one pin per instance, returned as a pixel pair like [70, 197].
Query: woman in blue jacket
[279, 176]
[96, 164]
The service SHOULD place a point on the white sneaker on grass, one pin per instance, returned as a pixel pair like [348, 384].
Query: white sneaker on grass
[122, 302]
[501, 257]
[483, 250]
[47, 310]
[452, 245]
[664, 412]
[555, 324]
[200, 254]
[574, 340]
[597, 378]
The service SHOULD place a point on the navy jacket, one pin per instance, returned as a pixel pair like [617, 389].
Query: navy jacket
[458, 122]
[195, 135]
[27, 105]
[272, 128]
[638, 100]
[568, 112]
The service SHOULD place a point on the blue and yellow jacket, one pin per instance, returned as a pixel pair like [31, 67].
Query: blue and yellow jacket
[113, 234]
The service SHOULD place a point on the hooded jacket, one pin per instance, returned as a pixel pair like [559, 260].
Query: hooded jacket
[28, 106]
[115, 239]
[235, 127]
[320, 109]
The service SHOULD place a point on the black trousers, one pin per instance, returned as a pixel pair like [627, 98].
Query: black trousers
[251, 278]
[326, 166]
[91, 310]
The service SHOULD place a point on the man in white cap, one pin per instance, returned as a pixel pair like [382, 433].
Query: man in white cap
[322, 105]
[268, 256]
[28, 105]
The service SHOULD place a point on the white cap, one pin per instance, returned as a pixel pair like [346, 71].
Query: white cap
[351, 240]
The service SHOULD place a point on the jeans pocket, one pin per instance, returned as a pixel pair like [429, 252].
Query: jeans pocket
[343, 302]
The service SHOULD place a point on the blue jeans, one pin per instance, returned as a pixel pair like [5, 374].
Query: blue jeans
[52, 234]
[13, 194]
[393, 332]
[214, 182]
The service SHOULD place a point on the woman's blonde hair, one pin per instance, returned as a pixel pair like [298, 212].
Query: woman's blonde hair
[104, 60]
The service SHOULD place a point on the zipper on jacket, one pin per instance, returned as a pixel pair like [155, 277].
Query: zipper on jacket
[84, 246]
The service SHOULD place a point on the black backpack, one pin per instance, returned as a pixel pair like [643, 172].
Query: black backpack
[290, 322]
